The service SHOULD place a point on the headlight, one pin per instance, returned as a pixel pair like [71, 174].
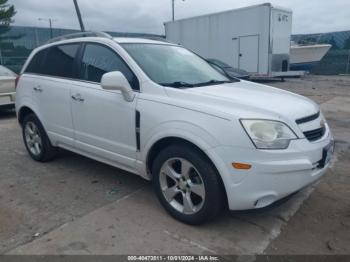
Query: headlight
[268, 134]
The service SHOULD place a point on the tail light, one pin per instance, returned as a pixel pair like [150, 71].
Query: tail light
[16, 80]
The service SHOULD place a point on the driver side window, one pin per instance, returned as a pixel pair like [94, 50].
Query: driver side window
[98, 60]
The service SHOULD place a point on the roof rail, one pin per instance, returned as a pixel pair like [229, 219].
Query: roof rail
[80, 34]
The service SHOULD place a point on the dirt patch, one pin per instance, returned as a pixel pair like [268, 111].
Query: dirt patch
[9, 220]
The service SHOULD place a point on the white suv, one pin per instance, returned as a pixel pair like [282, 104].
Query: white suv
[160, 111]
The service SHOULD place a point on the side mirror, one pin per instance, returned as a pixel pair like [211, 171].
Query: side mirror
[117, 81]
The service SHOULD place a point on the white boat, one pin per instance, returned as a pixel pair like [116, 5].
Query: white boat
[304, 57]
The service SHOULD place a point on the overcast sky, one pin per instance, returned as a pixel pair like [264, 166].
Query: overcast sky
[309, 16]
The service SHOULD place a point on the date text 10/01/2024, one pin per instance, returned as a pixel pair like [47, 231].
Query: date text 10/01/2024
[173, 258]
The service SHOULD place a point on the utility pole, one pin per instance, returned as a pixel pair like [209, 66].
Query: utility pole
[50, 20]
[173, 8]
[82, 27]
[348, 64]
[1, 60]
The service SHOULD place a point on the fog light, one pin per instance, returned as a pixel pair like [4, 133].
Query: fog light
[265, 201]
[241, 166]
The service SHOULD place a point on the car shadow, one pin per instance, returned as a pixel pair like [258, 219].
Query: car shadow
[7, 114]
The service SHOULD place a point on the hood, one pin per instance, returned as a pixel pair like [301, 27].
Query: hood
[249, 100]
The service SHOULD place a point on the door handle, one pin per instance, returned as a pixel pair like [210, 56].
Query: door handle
[78, 98]
[38, 89]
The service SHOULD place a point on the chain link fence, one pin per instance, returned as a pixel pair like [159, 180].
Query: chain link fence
[336, 62]
[19, 41]
[14, 63]
[17, 44]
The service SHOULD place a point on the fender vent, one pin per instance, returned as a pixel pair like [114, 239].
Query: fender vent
[137, 130]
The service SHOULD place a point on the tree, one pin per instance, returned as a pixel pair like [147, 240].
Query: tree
[7, 12]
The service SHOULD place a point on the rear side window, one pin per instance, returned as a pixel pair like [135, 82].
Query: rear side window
[98, 60]
[60, 61]
[36, 64]
[55, 61]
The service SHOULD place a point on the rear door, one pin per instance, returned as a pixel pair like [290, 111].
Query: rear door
[104, 122]
[249, 53]
[54, 75]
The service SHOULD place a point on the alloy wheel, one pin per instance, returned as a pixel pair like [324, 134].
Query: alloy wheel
[182, 186]
[33, 138]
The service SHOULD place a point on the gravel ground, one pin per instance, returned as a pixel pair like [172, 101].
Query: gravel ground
[322, 225]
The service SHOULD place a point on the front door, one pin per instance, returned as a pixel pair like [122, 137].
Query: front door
[104, 122]
[249, 53]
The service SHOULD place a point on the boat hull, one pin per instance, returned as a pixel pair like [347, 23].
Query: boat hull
[306, 57]
[303, 66]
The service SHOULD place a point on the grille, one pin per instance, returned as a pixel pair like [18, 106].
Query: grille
[316, 134]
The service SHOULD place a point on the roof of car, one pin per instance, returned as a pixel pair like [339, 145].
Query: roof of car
[120, 40]
[91, 35]
[123, 40]
[4, 71]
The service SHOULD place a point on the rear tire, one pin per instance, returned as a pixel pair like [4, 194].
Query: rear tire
[36, 140]
[195, 199]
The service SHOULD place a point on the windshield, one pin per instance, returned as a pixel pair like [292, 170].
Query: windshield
[174, 66]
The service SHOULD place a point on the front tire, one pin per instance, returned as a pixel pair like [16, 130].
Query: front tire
[187, 184]
[36, 140]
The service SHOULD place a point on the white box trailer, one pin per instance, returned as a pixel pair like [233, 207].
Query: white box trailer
[255, 38]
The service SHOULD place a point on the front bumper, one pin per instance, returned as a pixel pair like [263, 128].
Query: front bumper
[275, 174]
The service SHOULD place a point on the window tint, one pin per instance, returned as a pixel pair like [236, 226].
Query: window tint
[60, 61]
[98, 60]
[36, 64]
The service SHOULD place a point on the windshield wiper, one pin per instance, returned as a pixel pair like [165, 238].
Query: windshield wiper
[178, 84]
[213, 82]
[181, 84]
